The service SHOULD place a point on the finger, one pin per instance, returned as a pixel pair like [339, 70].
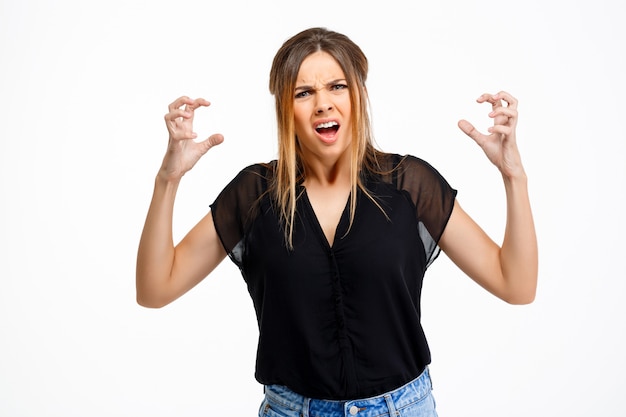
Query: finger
[173, 118]
[203, 102]
[503, 111]
[179, 102]
[199, 102]
[501, 129]
[176, 113]
[496, 99]
[493, 99]
[483, 97]
[511, 101]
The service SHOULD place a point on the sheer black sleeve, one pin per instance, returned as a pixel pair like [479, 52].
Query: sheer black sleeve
[432, 196]
[235, 207]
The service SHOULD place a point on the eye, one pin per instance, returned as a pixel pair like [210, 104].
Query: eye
[338, 87]
[303, 94]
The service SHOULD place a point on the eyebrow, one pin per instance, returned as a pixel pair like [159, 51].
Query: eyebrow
[333, 82]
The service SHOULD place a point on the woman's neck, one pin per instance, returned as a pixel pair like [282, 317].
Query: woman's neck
[327, 173]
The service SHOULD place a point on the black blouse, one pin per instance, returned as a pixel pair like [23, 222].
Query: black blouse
[343, 321]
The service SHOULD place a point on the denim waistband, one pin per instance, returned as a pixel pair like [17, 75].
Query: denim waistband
[380, 405]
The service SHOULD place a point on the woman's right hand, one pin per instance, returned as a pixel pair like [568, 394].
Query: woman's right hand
[183, 151]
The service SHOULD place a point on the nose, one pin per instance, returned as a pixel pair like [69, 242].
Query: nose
[323, 108]
[323, 103]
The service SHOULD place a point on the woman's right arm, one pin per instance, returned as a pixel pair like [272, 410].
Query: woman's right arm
[164, 271]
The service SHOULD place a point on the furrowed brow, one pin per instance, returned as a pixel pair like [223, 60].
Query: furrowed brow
[328, 84]
[337, 81]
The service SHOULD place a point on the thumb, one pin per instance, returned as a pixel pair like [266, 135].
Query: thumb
[211, 141]
[469, 129]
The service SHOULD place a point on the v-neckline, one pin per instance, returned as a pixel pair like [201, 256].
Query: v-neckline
[318, 226]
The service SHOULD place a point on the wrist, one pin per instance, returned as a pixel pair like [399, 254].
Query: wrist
[515, 179]
[163, 178]
[170, 171]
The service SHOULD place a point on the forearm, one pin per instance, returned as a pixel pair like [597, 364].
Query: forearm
[155, 256]
[518, 256]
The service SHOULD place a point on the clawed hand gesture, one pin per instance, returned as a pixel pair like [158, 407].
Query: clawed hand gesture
[183, 151]
[500, 144]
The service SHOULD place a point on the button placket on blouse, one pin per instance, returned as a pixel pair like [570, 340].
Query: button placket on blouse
[344, 341]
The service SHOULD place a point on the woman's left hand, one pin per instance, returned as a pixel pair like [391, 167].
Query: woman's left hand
[500, 144]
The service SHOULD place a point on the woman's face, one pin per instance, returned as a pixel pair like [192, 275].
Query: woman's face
[322, 110]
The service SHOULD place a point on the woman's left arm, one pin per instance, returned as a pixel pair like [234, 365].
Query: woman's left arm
[508, 271]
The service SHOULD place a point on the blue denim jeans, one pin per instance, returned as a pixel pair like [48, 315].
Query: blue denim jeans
[414, 399]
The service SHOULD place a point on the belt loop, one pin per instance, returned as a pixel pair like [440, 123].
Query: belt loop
[305, 407]
[391, 406]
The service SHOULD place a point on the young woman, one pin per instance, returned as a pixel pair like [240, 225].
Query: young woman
[334, 237]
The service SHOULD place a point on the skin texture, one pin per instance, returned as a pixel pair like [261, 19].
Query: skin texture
[322, 96]
[508, 271]
[166, 271]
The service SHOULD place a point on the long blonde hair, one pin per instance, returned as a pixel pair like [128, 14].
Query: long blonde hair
[283, 75]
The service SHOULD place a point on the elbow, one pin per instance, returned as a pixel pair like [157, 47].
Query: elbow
[149, 299]
[524, 297]
[150, 293]
[520, 289]
[521, 300]
[149, 303]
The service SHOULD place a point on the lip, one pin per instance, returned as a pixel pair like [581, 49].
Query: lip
[327, 120]
[328, 139]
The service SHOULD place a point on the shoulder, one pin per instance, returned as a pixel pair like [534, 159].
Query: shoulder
[414, 166]
[255, 175]
[420, 179]
[248, 185]
[261, 169]
[400, 168]
[412, 163]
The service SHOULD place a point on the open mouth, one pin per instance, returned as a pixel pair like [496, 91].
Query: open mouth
[328, 129]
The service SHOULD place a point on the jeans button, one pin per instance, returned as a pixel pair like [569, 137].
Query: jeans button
[354, 410]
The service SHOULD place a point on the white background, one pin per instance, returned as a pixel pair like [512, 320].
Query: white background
[84, 86]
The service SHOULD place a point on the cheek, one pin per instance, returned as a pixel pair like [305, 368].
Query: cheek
[345, 105]
[301, 118]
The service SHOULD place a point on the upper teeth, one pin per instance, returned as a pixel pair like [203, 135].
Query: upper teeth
[326, 125]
